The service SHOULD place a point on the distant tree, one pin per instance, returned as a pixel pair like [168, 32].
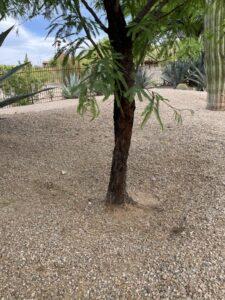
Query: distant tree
[131, 27]
[215, 54]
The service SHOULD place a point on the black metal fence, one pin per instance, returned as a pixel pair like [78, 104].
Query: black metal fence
[32, 79]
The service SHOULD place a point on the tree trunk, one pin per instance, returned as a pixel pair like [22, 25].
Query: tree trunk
[123, 124]
[215, 55]
[124, 112]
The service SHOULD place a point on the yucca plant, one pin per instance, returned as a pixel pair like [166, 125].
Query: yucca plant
[70, 89]
[9, 73]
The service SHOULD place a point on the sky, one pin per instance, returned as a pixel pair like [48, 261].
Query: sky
[28, 37]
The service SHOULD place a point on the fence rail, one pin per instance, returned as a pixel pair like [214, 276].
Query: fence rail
[32, 79]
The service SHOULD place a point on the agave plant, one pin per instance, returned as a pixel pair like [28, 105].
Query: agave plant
[9, 73]
[198, 78]
[197, 74]
[143, 79]
[176, 72]
[70, 89]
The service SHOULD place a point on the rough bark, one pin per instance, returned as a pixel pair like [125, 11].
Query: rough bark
[123, 124]
[123, 113]
[215, 55]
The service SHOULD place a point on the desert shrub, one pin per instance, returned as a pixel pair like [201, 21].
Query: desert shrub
[10, 95]
[182, 86]
[22, 83]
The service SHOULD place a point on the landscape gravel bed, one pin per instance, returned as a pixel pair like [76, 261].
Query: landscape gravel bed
[59, 241]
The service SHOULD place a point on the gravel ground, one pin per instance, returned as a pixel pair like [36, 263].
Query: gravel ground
[57, 239]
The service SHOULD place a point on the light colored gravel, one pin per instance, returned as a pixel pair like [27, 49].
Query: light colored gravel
[58, 241]
[38, 107]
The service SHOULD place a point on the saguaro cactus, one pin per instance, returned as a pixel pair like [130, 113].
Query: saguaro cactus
[215, 54]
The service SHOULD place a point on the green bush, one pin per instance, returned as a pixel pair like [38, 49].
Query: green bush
[182, 86]
[8, 73]
[22, 83]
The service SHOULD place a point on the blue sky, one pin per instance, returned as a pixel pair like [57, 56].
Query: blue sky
[30, 40]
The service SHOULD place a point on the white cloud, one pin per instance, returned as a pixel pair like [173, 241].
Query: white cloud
[17, 45]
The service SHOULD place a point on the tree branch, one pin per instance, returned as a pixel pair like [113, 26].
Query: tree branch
[147, 8]
[117, 23]
[170, 12]
[144, 11]
[87, 31]
[94, 15]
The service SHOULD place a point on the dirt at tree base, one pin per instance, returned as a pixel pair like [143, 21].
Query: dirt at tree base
[59, 241]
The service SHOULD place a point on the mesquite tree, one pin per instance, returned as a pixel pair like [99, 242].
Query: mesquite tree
[215, 54]
[133, 28]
